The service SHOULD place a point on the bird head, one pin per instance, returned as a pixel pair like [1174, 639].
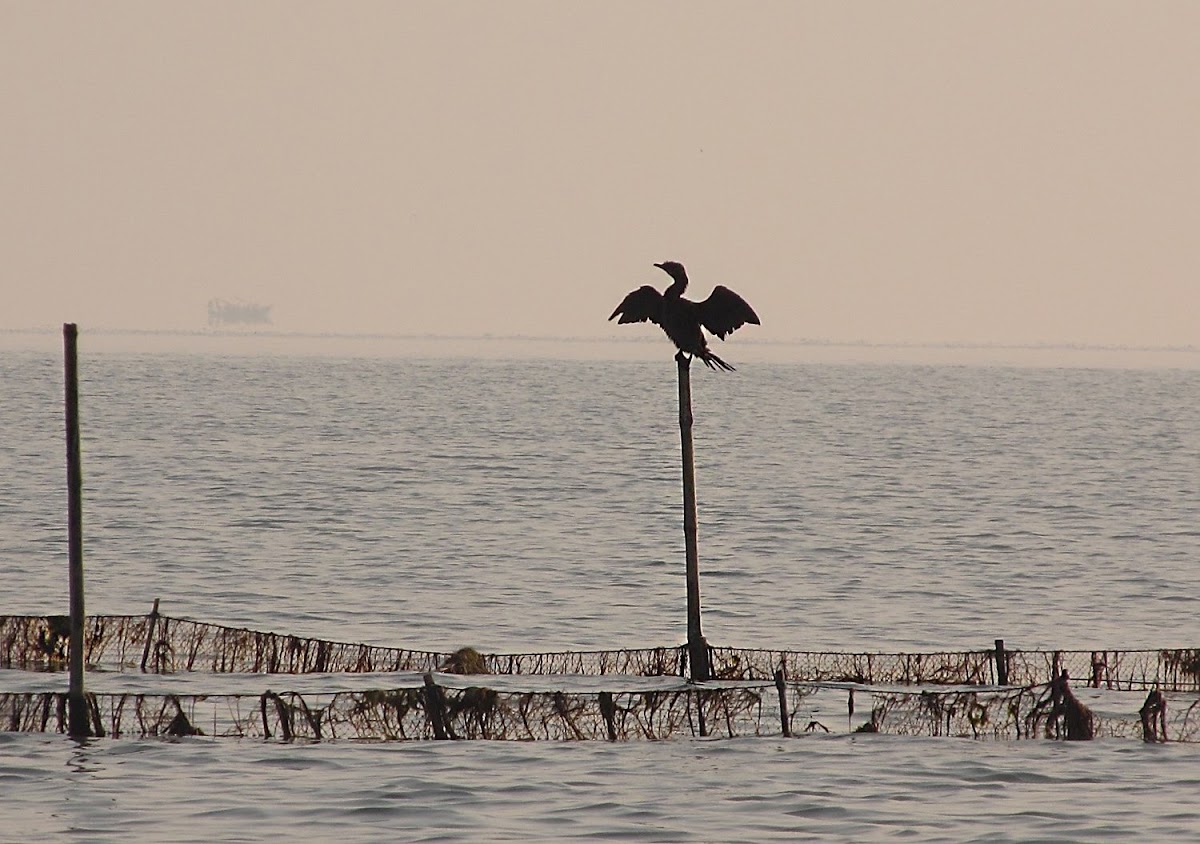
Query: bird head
[675, 270]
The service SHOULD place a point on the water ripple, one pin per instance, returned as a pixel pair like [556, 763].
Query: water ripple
[535, 506]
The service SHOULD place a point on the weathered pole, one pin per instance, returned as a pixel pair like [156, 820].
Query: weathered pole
[698, 665]
[151, 621]
[1001, 657]
[785, 719]
[77, 708]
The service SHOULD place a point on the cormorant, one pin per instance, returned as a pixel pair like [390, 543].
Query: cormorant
[722, 313]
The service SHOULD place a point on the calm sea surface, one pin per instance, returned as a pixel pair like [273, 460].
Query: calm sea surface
[533, 504]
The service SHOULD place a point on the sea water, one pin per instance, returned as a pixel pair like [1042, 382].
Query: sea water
[527, 503]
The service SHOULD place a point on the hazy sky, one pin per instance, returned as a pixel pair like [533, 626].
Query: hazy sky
[923, 171]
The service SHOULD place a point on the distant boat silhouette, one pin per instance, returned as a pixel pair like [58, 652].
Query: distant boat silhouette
[221, 312]
[722, 313]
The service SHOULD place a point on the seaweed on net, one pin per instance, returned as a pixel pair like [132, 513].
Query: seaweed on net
[959, 694]
[163, 644]
[434, 712]
[465, 661]
[1059, 714]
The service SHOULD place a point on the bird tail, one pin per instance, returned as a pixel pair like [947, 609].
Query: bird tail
[714, 362]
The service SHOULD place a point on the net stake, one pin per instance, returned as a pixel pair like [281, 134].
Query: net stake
[151, 623]
[77, 707]
[784, 719]
[1001, 664]
[698, 661]
[435, 708]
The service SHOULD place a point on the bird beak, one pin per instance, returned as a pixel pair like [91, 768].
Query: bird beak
[660, 266]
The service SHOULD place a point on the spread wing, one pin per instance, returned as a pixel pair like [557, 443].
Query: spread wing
[723, 312]
[643, 304]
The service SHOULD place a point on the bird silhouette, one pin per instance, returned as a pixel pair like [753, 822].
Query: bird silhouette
[722, 313]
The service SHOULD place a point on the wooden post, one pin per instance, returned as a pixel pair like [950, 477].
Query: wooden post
[77, 708]
[1154, 717]
[1001, 664]
[608, 708]
[698, 662]
[151, 623]
[435, 708]
[784, 719]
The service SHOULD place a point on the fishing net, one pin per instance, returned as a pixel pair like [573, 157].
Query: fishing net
[425, 712]
[928, 694]
[1176, 669]
[430, 711]
[163, 644]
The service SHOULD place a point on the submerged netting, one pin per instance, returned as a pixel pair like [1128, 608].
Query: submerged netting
[425, 712]
[159, 643]
[162, 644]
[1174, 669]
[435, 712]
[928, 694]
[1046, 711]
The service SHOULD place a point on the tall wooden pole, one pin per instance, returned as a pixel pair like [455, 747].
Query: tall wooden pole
[77, 709]
[698, 666]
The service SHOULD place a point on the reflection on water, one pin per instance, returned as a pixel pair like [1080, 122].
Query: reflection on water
[85, 759]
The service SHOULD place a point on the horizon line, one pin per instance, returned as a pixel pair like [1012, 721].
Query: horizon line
[489, 337]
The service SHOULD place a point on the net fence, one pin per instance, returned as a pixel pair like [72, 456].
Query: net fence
[425, 712]
[162, 644]
[1050, 711]
[989, 693]
[1170, 669]
[430, 711]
